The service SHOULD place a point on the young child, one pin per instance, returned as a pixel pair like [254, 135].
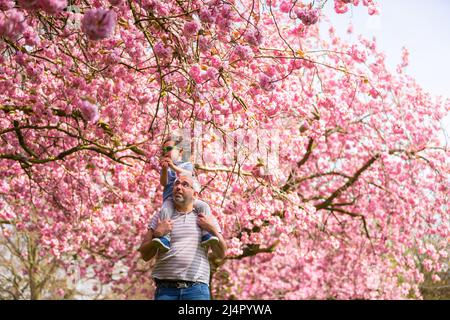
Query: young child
[172, 166]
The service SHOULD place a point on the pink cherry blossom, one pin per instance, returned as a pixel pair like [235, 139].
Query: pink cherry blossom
[162, 51]
[204, 43]
[52, 6]
[224, 18]
[285, 6]
[30, 4]
[31, 37]
[253, 37]
[6, 4]
[405, 57]
[99, 23]
[207, 15]
[210, 74]
[191, 28]
[49, 6]
[340, 6]
[243, 52]
[357, 54]
[266, 82]
[428, 264]
[373, 10]
[12, 24]
[115, 2]
[308, 16]
[435, 278]
[89, 111]
[195, 73]
[150, 5]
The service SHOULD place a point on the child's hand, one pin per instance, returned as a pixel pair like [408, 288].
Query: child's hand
[170, 163]
[164, 162]
[163, 228]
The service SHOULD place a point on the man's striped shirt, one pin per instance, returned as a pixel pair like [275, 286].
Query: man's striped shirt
[186, 259]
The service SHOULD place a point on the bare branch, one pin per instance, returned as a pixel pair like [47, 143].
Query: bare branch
[348, 184]
[254, 249]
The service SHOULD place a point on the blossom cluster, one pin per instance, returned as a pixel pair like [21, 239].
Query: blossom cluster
[12, 24]
[98, 23]
[49, 6]
[89, 111]
[308, 16]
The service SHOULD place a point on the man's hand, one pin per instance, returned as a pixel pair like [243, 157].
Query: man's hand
[206, 223]
[163, 228]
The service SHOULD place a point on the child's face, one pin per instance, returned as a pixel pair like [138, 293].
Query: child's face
[171, 150]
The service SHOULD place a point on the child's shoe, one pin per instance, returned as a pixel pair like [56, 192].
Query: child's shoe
[208, 239]
[163, 244]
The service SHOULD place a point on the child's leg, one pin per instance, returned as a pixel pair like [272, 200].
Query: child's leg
[167, 211]
[207, 238]
[202, 207]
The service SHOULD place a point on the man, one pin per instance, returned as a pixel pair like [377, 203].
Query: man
[182, 273]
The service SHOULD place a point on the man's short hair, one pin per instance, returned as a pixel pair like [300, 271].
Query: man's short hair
[195, 184]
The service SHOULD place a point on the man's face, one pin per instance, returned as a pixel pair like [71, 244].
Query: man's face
[183, 191]
[171, 151]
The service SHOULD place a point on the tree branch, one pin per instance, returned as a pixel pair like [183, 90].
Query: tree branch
[21, 140]
[254, 249]
[291, 182]
[353, 214]
[347, 185]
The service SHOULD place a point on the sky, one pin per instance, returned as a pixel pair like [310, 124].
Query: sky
[421, 26]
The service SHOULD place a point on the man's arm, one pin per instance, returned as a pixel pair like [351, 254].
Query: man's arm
[206, 222]
[146, 249]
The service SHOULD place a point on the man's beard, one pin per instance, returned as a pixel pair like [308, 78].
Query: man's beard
[178, 199]
[181, 200]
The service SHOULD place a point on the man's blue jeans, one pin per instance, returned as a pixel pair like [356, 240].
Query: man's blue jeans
[199, 291]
